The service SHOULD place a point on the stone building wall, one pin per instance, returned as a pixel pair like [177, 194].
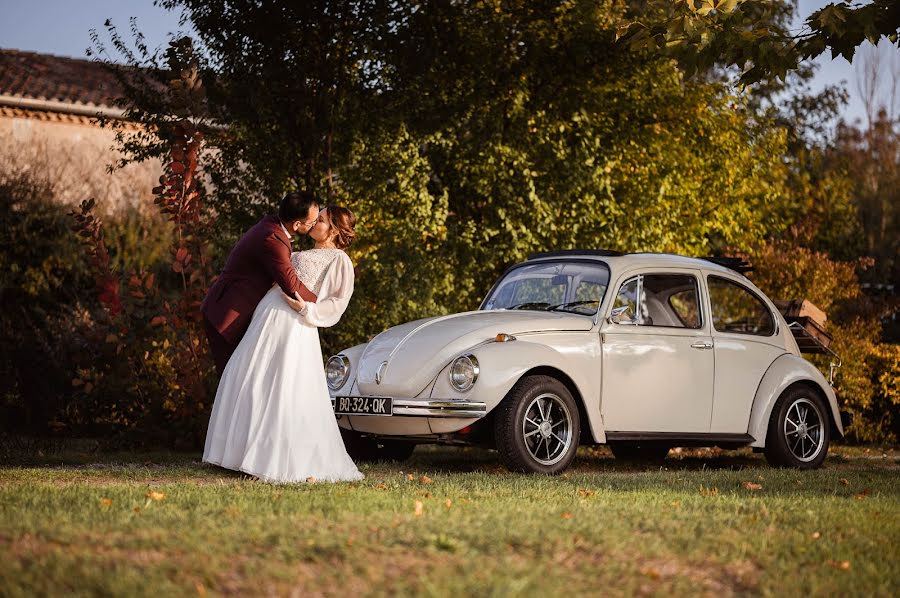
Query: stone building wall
[73, 154]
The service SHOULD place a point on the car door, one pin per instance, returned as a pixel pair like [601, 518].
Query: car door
[745, 334]
[658, 362]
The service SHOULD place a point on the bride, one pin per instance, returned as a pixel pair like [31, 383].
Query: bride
[272, 416]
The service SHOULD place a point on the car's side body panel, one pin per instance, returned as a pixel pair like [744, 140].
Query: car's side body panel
[656, 378]
[741, 362]
[788, 369]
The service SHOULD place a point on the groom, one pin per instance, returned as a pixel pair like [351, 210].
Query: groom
[261, 257]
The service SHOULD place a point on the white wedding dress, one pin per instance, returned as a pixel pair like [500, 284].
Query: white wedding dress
[272, 416]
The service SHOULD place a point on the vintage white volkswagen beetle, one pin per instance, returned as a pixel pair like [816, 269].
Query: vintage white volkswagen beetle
[641, 351]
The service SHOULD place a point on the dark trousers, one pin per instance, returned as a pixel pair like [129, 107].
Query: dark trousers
[221, 349]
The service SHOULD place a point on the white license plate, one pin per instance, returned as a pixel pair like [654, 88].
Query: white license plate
[363, 405]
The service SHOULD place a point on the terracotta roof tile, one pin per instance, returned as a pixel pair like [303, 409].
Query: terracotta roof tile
[48, 77]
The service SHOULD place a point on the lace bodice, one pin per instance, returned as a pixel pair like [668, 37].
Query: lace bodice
[311, 266]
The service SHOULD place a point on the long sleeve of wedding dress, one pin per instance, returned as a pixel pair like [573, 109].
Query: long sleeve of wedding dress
[336, 289]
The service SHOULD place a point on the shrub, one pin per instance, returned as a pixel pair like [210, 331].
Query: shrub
[49, 321]
[868, 383]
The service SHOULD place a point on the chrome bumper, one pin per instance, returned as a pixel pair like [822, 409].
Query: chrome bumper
[434, 408]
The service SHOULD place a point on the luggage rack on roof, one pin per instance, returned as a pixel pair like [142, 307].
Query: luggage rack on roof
[807, 342]
[738, 264]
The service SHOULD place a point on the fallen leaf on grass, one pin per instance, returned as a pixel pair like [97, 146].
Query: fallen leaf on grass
[201, 591]
[410, 477]
[676, 503]
[105, 502]
[863, 494]
[651, 573]
[420, 508]
[154, 495]
[844, 481]
[566, 515]
[586, 492]
[381, 486]
[844, 565]
[425, 479]
[449, 503]
[751, 485]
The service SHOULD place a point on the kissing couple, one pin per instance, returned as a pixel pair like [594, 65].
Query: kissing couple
[272, 416]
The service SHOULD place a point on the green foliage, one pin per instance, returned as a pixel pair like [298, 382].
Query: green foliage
[754, 35]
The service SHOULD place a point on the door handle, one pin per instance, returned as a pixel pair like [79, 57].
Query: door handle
[702, 345]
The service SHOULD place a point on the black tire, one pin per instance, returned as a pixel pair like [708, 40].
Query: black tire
[799, 430]
[365, 449]
[537, 397]
[638, 452]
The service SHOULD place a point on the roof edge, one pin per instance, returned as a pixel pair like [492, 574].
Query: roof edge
[63, 107]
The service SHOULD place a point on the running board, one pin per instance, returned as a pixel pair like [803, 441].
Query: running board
[680, 438]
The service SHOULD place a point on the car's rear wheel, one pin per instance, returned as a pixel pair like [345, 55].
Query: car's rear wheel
[537, 426]
[365, 448]
[799, 430]
[639, 452]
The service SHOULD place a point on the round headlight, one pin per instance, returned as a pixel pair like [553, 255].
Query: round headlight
[337, 370]
[464, 372]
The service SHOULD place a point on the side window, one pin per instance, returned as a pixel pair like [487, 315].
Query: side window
[736, 309]
[667, 300]
[684, 305]
[626, 300]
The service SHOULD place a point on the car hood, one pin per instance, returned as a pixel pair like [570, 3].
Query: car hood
[416, 351]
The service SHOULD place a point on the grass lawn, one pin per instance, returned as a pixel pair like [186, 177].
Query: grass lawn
[449, 522]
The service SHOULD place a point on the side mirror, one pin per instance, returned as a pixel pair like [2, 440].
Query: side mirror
[621, 315]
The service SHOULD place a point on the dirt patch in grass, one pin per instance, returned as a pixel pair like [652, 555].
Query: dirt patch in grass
[34, 547]
[709, 578]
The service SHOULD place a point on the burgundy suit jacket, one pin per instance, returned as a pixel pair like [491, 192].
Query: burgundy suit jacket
[259, 258]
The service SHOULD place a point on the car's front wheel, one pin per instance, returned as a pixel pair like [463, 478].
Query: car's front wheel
[799, 430]
[537, 426]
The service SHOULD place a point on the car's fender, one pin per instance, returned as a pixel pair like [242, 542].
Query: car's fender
[502, 365]
[353, 354]
[786, 370]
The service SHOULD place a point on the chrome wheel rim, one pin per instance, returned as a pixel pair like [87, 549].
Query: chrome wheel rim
[803, 430]
[547, 428]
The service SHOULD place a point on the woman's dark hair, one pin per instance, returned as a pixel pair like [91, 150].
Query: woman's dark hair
[343, 221]
[296, 205]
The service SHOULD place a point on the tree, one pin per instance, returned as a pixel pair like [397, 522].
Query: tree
[752, 35]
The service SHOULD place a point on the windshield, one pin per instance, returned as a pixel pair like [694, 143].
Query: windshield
[574, 287]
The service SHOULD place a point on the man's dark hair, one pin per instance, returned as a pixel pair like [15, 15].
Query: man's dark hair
[295, 206]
